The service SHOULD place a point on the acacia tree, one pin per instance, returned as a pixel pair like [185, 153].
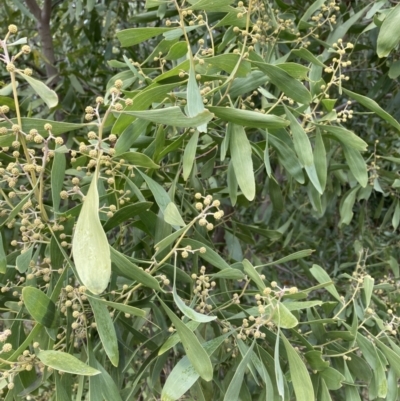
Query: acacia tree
[220, 221]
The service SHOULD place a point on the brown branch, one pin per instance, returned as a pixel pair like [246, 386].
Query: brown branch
[34, 8]
[42, 17]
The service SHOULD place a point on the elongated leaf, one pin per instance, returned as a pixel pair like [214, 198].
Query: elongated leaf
[389, 33]
[174, 339]
[57, 179]
[242, 161]
[373, 106]
[134, 36]
[124, 214]
[232, 393]
[320, 160]
[122, 307]
[23, 260]
[323, 277]
[172, 116]
[346, 206]
[130, 270]
[3, 257]
[281, 315]
[194, 351]
[138, 159]
[189, 154]
[195, 103]
[248, 118]
[65, 362]
[184, 375]
[346, 137]
[106, 330]
[393, 357]
[172, 215]
[290, 86]
[254, 275]
[296, 255]
[277, 367]
[301, 380]
[48, 96]
[357, 165]
[90, 245]
[40, 306]
[186, 310]
[301, 142]
[307, 55]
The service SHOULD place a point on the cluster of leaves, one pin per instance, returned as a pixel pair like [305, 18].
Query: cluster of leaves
[162, 245]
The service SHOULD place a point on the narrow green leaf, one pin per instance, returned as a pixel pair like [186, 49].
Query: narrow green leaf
[195, 104]
[106, 330]
[23, 260]
[357, 165]
[194, 351]
[3, 257]
[189, 155]
[393, 357]
[301, 142]
[186, 310]
[290, 86]
[248, 118]
[65, 362]
[134, 36]
[288, 159]
[232, 183]
[320, 159]
[368, 289]
[232, 393]
[266, 156]
[122, 307]
[172, 215]
[172, 116]
[307, 55]
[229, 273]
[301, 380]
[333, 378]
[183, 375]
[346, 206]
[242, 161]
[125, 213]
[389, 33]
[346, 137]
[40, 306]
[90, 244]
[57, 178]
[254, 275]
[130, 270]
[293, 256]
[281, 315]
[48, 96]
[323, 277]
[373, 106]
[280, 383]
[138, 159]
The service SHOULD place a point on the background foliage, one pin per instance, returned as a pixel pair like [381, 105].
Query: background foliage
[239, 234]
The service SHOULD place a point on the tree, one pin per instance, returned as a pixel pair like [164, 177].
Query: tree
[208, 210]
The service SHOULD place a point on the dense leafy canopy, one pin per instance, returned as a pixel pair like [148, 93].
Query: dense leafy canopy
[199, 200]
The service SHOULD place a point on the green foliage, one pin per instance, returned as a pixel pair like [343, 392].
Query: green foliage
[199, 201]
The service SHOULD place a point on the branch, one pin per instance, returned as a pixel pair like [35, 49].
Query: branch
[46, 12]
[34, 8]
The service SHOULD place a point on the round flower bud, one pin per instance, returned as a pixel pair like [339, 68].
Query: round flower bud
[99, 100]
[92, 135]
[185, 254]
[203, 249]
[28, 72]
[4, 109]
[197, 195]
[199, 206]
[88, 117]
[12, 28]
[210, 226]
[118, 83]
[202, 222]
[89, 109]
[26, 49]
[112, 138]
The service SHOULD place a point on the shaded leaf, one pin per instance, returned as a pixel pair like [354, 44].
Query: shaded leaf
[40, 306]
